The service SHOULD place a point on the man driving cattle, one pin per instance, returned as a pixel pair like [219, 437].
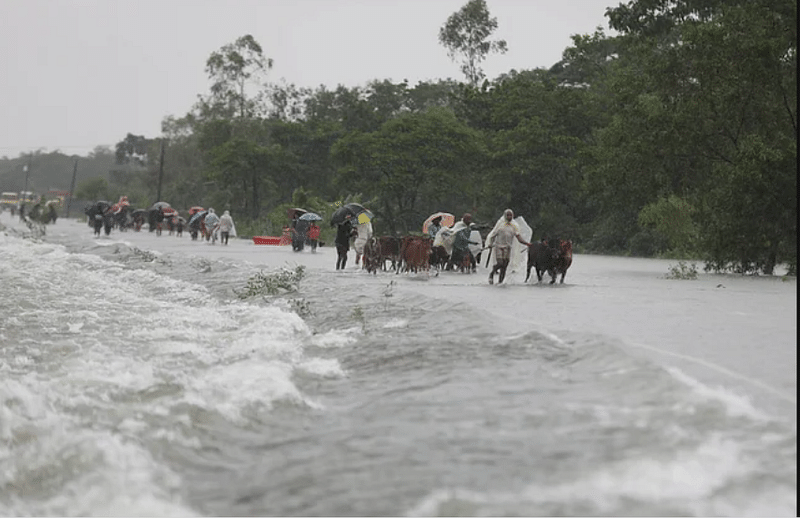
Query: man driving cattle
[501, 238]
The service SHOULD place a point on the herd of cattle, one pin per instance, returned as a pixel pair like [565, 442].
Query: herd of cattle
[417, 254]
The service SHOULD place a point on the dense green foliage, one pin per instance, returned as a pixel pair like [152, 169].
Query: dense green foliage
[675, 137]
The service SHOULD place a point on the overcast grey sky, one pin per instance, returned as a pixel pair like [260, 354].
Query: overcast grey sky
[81, 73]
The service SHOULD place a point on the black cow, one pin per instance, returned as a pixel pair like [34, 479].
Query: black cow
[543, 257]
[439, 257]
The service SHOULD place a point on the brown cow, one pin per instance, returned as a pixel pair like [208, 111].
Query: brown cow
[390, 250]
[372, 255]
[564, 248]
[415, 253]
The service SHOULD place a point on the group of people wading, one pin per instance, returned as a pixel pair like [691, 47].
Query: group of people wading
[203, 223]
[457, 247]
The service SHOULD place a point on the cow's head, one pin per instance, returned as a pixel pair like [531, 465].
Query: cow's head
[554, 247]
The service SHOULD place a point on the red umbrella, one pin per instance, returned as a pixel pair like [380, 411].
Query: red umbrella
[195, 209]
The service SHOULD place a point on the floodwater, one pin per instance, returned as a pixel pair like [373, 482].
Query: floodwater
[134, 382]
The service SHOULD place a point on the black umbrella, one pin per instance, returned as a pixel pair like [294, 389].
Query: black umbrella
[196, 218]
[341, 215]
[349, 211]
[100, 207]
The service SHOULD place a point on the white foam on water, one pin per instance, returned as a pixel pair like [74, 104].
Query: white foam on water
[693, 481]
[336, 338]
[82, 473]
[755, 382]
[329, 368]
[735, 405]
[65, 469]
[97, 354]
[396, 323]
[234, 388]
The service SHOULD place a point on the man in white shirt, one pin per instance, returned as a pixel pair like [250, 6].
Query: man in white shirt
[501, 239]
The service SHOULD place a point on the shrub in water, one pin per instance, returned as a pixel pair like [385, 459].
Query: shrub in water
[272, 283]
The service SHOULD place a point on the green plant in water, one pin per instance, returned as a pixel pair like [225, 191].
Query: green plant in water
[300, 306]
[358, 315]
[682, 271]
[388, 293]
[272, 283]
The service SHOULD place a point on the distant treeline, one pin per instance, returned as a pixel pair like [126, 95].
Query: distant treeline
[677, 137]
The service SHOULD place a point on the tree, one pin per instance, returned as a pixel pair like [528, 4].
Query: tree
[92, 189]
[705, 107]
[465, 35]
[414, 164]
[132, 151]
[231, 69]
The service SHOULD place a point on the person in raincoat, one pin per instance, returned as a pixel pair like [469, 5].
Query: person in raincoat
[212, 225]
[364, 233]
[461, 242]
[500, 239]
[312, 236]
[226, 227]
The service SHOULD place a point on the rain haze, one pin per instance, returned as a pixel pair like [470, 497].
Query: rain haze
[83, 73]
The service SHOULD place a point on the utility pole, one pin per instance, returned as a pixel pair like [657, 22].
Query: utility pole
[27, 173]
[72, 185]
[160, 170]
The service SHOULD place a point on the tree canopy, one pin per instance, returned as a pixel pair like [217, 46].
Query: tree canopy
[677, 137]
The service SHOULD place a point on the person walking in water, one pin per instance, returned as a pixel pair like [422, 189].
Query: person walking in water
[434, 227]
[363, 234]
[343, 234]
[312, 236]
[501, 238]
[226, 227]
[461, 243]
[211, 222]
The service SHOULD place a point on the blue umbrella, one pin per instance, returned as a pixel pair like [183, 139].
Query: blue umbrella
[311, 217]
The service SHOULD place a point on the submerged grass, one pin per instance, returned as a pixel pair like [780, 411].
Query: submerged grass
[272, 283]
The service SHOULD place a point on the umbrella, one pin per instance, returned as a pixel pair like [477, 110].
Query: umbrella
[159, 205]
[101, 206]
[352, 210]
[312, 217]
[195, 209]
[447, 221]
[138, 212]
[197, 217]
[294, 212]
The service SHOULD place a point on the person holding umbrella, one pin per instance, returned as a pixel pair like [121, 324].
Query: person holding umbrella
[312, 235]
[344, 232]
[434, 227]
